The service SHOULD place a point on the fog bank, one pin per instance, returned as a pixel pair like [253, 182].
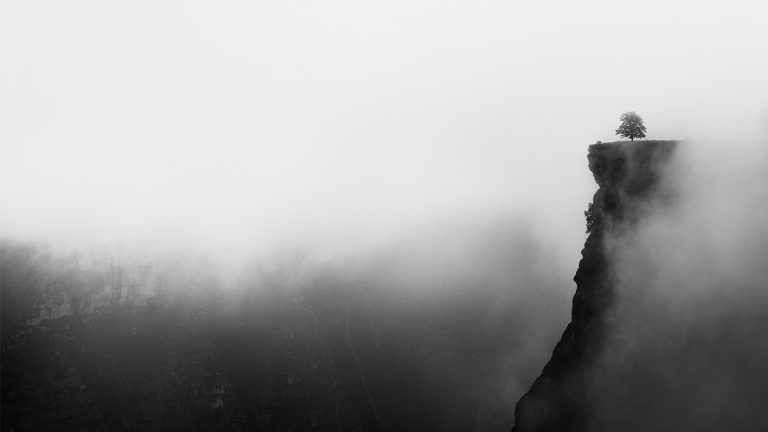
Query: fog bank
[687, 341]
[241, 127]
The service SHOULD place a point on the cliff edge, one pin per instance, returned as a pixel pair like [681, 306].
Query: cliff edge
[628, 175]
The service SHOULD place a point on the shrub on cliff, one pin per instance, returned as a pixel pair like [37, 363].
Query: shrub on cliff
[590, 216]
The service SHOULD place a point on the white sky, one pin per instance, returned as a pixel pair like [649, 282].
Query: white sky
[243, 123]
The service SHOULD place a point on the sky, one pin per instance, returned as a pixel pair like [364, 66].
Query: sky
[242, 126]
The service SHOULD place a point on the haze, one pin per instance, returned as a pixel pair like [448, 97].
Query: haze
[243, 126]
[396, 189]
[684, 347]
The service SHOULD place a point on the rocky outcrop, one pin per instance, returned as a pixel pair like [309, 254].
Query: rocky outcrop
[628, 175]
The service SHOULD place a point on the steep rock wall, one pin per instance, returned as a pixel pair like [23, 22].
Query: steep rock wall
[628, 175]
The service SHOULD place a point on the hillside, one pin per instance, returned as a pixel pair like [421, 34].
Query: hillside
[415, 339]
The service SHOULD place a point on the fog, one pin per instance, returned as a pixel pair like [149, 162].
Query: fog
[687, 342]
[243, 126]
[417, 165]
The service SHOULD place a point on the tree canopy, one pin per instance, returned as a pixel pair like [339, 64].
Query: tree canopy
[631, 126]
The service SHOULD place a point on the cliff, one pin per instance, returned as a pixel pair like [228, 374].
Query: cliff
[628, 175]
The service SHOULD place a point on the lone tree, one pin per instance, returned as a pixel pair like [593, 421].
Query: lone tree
[631, 126]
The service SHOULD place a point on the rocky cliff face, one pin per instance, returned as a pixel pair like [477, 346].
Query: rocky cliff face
[628, 175]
